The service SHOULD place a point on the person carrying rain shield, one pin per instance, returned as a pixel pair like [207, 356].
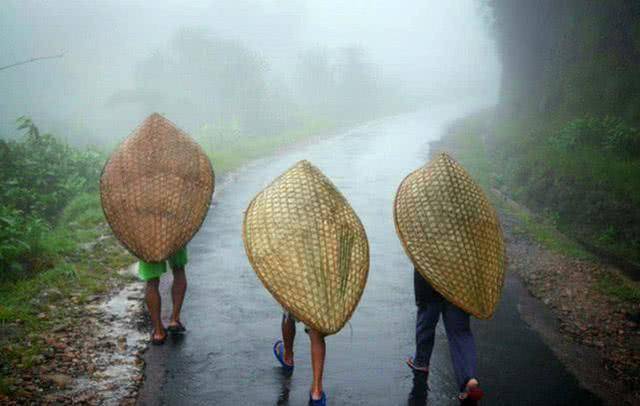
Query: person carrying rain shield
[156, 189]
[310, 250]
[453, 237]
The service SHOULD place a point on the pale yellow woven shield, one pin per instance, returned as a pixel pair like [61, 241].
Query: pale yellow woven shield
[156, 189]
[452, 234]
[308, 247]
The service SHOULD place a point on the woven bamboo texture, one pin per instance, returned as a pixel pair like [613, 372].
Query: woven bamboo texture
[452, 234]
[156, 189]
[308, 247]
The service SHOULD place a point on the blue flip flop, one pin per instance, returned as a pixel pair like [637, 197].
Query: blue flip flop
[278, 352]
[318, 402]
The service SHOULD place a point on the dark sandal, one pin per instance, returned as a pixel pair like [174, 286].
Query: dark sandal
[158, 341]
[412, 365]
[177, 328]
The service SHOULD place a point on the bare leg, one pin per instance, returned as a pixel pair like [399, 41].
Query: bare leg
[154, 304]
[178, 290]
[318, 349]
[288, 335]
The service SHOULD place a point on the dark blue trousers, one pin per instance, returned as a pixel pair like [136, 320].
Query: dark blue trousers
[456, 323]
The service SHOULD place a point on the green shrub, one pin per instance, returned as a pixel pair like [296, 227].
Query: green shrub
[614, 285]
[79, 221]
[586, 172]
[84, 210]
[611, 134]
[622, 140]
[39, 177]
[20, 238]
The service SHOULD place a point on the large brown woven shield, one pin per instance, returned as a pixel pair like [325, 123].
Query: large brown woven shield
[156, 189]
[308, 247]
[452, 234]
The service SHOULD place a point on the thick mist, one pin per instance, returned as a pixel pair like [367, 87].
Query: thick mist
[248, 67]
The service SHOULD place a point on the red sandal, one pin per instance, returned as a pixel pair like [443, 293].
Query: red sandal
[471, 396]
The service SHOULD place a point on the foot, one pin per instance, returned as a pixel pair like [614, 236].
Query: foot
[472, 393]
[278, 352]
[318, 401]
[411, 364]
[158, 337]
[175, 326]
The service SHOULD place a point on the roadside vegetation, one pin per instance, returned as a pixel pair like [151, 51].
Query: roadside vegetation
[566, 132]
[40, 179]
[583, 174]
[54, 244]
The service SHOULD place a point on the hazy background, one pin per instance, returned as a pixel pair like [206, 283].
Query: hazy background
[255, 66]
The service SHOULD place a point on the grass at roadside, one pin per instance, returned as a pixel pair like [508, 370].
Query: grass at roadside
[464, 142]
[615, 285]
[544, 231]
[85, 261]
[77, 261]
[583, 172]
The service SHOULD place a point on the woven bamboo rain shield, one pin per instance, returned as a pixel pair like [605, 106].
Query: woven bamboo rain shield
[308, 247]
[452, 234]
[156, 189]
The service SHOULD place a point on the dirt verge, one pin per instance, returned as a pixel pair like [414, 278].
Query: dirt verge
[592, 334]
[91, 357]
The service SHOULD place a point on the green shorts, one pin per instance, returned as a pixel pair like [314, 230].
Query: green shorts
[153, 270]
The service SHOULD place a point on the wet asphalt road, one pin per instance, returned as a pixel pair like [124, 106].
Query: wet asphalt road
[225, 357]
